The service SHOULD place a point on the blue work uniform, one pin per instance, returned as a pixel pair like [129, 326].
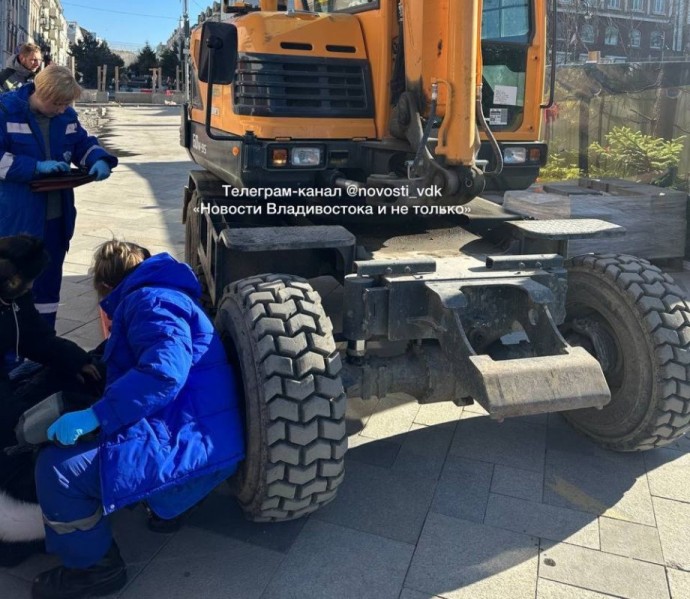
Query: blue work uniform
[170, 423]
[22, 210]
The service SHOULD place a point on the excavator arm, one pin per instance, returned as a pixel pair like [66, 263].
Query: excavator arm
[442, 71]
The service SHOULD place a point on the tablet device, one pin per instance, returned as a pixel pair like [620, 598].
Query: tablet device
[56, 181]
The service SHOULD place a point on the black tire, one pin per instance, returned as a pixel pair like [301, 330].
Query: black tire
[293, 396]
[191, 250]
[635, 320]
[191, 233]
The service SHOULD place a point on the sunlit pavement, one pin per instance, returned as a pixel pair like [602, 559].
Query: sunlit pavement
[438, 501]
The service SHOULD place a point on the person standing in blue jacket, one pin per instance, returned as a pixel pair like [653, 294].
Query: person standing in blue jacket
[40, 135]
[169, 423]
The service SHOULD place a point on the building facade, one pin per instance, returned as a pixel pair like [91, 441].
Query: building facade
[622, 30]
[41, 22]
[14, 27]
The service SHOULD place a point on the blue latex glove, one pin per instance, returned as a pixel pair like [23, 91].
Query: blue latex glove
[101, 169]
[46, 167]
[69, 427]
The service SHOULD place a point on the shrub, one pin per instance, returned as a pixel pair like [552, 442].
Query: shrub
[631, 154]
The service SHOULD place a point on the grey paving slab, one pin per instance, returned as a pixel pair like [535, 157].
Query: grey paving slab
[358, 413]
[544, 521]
[67, 325]
[679, 582]
[548, 589]
[681, 444]
[76, 272]
[381, 502]
[556, 420]
[475, 408]
[221, 514]
[208, 566]
[459, 559]
[605, 483]
[29, 569]
[438, 413]
[566, 438]
[630, 540]
[138, 545]
[394, 415]
[602, 572]
[340, 563]
[409, 594]
[514, 482]
[72, 289]
[87, 337]
[533, 419]
[668, 473]
[377, 452]
[424, 450]
[463, 489]
[673, 521]
[509, 443]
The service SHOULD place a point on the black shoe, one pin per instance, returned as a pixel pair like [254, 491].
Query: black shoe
[105, 577]
[13, 554]
[162, 525]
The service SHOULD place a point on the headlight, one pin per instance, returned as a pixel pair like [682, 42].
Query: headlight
[305, 156]
[515, 155]
[279, 157]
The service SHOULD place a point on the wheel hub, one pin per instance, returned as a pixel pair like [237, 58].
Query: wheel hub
[597, 340]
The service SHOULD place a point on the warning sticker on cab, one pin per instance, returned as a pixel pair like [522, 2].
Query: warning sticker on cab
[498, 116]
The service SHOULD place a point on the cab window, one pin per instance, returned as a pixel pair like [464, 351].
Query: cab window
[506, 21]
[336, 5]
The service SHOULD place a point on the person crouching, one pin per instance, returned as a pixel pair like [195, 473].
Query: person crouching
[168, 427]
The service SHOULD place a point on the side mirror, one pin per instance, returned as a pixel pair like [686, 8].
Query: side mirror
[218, 53]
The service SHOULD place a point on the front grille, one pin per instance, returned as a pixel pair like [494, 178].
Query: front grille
[302, 87]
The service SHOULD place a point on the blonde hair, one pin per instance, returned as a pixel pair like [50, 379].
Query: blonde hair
[57, 84]
[113, 261]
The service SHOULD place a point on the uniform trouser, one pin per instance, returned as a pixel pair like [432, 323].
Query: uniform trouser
[69, 491]
[46, 289]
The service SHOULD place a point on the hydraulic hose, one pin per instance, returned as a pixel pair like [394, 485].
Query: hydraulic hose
[484, 126]
[427, 128]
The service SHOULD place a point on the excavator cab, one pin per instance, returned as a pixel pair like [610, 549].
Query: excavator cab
[384, 94]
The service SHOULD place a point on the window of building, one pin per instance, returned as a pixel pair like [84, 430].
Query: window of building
[637, 5]
[611, 37]
[613, 4]
[635, 38]
[587, 34]
[656, 40]
[659, 7]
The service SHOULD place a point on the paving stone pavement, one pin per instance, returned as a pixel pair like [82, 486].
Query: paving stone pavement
[438, 501]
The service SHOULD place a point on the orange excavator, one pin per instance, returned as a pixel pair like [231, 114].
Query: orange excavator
[338, 226]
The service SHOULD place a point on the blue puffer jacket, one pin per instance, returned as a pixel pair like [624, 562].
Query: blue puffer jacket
[171, 428]
[22, 146]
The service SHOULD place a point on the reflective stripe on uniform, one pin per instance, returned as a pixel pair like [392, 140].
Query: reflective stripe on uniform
[47, 308]
[18, 128]
[6, 163]
[63, 528]
[91, 149]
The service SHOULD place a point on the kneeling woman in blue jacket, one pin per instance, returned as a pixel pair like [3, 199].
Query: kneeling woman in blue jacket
[169, 424]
